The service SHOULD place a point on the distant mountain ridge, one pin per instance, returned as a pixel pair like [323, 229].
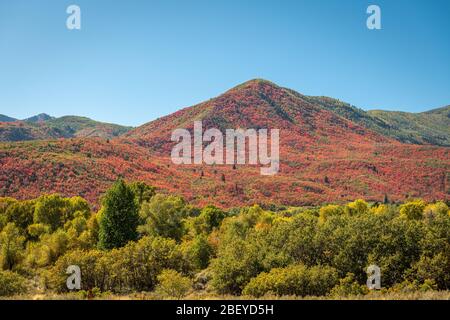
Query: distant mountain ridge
[429, 127]
[42, 117]
[4, 118]
[45, 127]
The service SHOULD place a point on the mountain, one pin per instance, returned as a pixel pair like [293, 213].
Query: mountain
[45, 127]
[431, 127]
[4, 118]
[324, 157]
[73, 126]
[257, 104]
[42, 117]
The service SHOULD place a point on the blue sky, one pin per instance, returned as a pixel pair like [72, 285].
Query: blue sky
[134, 61]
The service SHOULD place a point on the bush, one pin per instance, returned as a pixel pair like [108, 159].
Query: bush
[173, 284]
[348, 286]
[134, 267]
[329, 210]
[296, 280]
[91, 274]
[11, 283]
[356, 207]
[413, 209]
[435, 269]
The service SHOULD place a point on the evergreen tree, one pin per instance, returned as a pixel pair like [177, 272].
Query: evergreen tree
[120, 218]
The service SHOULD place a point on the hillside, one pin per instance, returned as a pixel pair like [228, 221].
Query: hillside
[258, 104]
[44, 127]
[324, 158]
[431, 127]
[42, 117]
[4, 118]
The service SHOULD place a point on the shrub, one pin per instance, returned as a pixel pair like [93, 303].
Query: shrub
[137, 265]
[329, 210]
[435, 269]
[198, 252]
[296, 280]
[11, 283]
[356, 207]
[348, 286]
[142, 192]
[91, 275]
[413, 210]
[173, 284]
[436, 209]
[133, 267]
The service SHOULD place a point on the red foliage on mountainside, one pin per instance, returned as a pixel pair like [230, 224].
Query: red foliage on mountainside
[323, 158]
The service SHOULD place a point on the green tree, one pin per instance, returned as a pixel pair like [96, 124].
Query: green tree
[413, 209]
[11, 247]
[50, 210]
[328, 211]
[5, 203]
[435, 269]
[55, 211]
[119, 220]
[11, 284]
[212, 217]
[356, 207]
[21, 213]
[209, 219]
[164, 216]
[142, 191]
[198, 251]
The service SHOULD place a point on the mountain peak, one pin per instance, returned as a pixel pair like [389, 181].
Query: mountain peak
[39, 118]
[257, 84]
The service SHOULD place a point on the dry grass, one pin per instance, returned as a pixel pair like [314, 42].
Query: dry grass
[417, 295]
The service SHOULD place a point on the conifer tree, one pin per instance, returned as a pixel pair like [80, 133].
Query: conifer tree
[120, 218]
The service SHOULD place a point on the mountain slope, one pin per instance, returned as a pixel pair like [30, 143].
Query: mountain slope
[44, 127]
[323, 158]
[257, 104]
[4, 118]
[42, 117]
[431, 127]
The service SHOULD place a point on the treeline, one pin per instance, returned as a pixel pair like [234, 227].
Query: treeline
[143, 241]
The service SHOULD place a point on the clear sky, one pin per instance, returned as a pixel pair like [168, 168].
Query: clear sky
[134, 61]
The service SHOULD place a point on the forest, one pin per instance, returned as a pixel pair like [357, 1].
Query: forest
[144, 244]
